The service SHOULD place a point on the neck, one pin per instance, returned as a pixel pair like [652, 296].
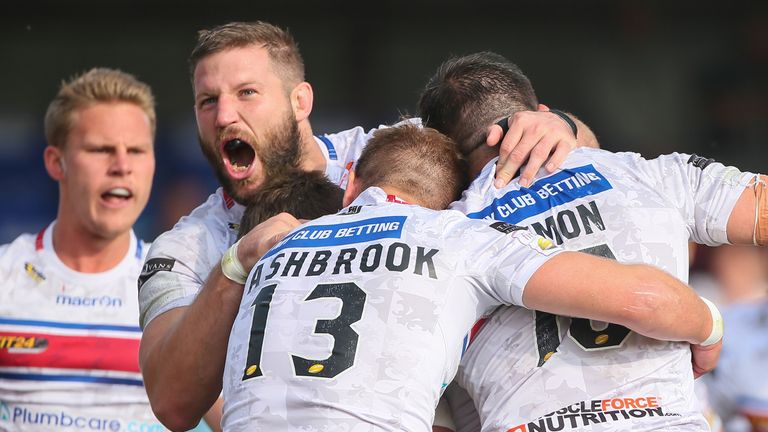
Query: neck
[479, 158]
[312, 158]
[85, 252]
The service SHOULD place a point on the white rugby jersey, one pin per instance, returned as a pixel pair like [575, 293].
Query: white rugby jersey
[357, 321]
[181, 259]
[738, 388]
[69, 342]
[533, 371]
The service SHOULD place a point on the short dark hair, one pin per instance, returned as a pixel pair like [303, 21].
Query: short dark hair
[419, 161]
[467, 94]
[304, 194]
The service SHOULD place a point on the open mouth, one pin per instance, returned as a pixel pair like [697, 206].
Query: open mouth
[238, 158]
[117, 195]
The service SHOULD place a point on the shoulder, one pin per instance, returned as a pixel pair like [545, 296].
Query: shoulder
[358, 136]
[20, 247]
[16, 255]
[213, 223]
[447, 224]
[346, 144]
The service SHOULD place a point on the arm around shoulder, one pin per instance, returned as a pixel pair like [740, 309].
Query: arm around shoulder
[640, 297]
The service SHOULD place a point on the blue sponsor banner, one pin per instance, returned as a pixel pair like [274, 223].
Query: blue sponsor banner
[555, 190]
[342, 234]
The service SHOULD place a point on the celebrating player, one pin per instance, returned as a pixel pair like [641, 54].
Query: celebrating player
[356, 321]
[252, 108]
[538, 371]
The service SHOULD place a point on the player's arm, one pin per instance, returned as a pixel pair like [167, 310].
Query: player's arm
[183, 350]
[640, 297]
[536, 138]
[748, 222]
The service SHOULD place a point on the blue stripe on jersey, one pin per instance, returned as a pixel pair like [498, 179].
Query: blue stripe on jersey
[343, 234]
[78, 326]
[557, 189]
[70, 378]
[328, 144]
[139, 247]
[464, 345]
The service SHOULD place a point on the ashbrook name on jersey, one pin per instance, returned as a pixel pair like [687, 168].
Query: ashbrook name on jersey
[365, 257]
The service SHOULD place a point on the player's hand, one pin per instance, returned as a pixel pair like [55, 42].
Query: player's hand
[263, 236]
[537, 137]
[704, 358]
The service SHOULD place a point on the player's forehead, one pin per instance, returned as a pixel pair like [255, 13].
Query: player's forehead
[233, 66]
[111, 123]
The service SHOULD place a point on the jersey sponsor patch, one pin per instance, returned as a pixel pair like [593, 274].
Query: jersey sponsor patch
[153, 266]
[21, 344]
[33, 273]
[700, 161]
[351, 210]
[547, 193]
[585, 414]
[536, 242]
[343, 234]
[506, 228]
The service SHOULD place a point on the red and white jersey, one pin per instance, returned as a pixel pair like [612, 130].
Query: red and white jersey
[181, 259]
[527, 370]
[357, 321]
[738, 388]
[69, 342]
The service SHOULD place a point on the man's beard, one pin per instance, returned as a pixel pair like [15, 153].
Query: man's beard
[278, 151]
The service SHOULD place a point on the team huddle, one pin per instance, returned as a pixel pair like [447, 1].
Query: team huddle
[385, 280]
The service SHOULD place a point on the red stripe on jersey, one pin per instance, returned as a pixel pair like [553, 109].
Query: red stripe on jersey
[476, 328]
[394, 199]
[345, 175]
[39, 239]
[228, 201]
[69, 352]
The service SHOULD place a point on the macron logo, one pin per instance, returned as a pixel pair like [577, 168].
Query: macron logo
[82, 301]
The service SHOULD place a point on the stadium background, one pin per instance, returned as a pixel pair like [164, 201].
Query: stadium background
[652, 76]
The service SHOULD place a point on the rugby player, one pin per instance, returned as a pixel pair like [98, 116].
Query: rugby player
[531, 370]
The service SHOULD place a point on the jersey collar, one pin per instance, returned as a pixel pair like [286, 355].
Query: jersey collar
[376, 196]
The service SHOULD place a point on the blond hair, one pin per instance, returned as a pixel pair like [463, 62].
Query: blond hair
[419, 161]
[98, 85]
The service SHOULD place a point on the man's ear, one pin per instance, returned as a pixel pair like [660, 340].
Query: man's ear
[543, 107]
[353, 189]
[54, 163]
[301, 101]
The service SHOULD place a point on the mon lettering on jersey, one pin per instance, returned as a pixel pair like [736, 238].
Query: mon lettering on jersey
[364, 254]
[556, 190]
